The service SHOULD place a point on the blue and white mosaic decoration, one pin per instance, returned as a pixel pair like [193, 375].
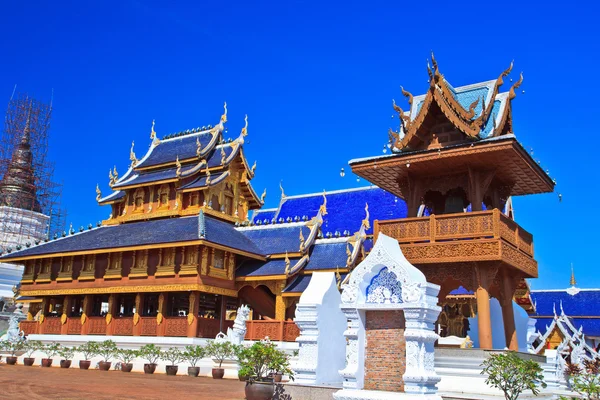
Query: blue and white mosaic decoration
[384, 288]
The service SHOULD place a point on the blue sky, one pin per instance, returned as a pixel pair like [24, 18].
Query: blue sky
[317, 81]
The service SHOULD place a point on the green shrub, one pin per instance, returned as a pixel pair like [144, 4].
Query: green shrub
[107, 350]
[263, 358]
[193, 354]
[220, 351]
[151, 353]
[512, 375]
[89, 350]
[173, 355]
[51, 349]
[66, 353]
[31, 346]
[127, 355]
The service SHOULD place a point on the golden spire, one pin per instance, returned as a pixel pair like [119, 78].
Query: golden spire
[323, 208]
[198, 147]
[245, 128]
[111, 178]
[115, 173]
[132, 157]
[178, 165]
[281, 187]
[223, 155]
[301, 240]
[224, 116]
[263, 196]
[287, 264]
[98, 193]
[365, 222]
[253, 168]
[573, 281]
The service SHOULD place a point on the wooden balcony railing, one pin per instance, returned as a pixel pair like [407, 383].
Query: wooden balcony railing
[176, 326]
[29, 327]
[286, 331]
[123, 326]
[208, 328]
[51, 326]
[96, 325]
[74, 326]
[463, 226]
[149, 326]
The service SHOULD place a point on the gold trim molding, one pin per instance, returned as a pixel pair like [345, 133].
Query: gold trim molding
[133, 289]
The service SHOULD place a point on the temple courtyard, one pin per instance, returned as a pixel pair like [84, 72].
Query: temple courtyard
[33, 383]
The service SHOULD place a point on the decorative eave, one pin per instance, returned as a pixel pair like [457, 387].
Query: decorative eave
[291, 270]
[115, 197]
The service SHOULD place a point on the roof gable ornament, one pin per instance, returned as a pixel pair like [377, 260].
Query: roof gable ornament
[253, 169]
[207, 175]
[323, 208]
[281, 187]
[224, 116]
[511, 92]
[198, 148]
[98, 193]
[178, 165]
[263, 196]
[223, 155]
[287, 264]
[365, 222]
[115, 173]
[132, 157]
[302, 245]
[245, 128]
[153, 137]
[111, 178]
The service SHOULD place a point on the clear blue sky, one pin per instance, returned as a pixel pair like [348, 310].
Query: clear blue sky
[316, 80]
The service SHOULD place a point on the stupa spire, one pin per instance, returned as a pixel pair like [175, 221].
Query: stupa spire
[573, 281]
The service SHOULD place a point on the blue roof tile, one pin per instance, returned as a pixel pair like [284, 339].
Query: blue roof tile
[298, 285]
[201, 182]
[183, 147]
[266, 214]
[584, 303]
[327, 256]
[142, 233]
[148, 177]
[346, 209]
[276, 239]
[262, 268]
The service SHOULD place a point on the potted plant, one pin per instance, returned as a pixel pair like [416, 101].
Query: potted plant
[244, 373]
[13, 348]
[89, 350]
[193, 354]
[174, 356]
[150, 353]
[125, 356]
[66, 353]
[220, 351]
[513, 375]
[106, 350]
[51, 350]
[31, 346]
[260, 360]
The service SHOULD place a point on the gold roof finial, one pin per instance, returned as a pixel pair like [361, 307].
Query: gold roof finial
[253, 168]
[511, 92]
[178, 165]
[98, 193]
[198, 148]
[224, 116]
[115, 173]
[323, 208]
[111, 178]
[287, 264]
[132, 157]
[365, 222]
[223, 155]
[152, 132]
[245, 128]
[573, 281]
[281, 187]
[301, 240]
[263, 196]
[408, 95]
[207, 175]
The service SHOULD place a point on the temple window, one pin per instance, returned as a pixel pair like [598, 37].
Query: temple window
[168, 257]
[114, 261]
[47, 266]
[67, 264]
[29, 268]
[228, 200]
[214, 200]
[163, 196]
[191, 255]
[89, 262]
[218, 259]
[138, 199]
[195, 199]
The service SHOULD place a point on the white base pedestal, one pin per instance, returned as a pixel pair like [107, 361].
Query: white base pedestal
[351, 394]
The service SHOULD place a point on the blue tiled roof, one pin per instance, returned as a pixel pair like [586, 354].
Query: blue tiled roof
[143, 233]
[147, 177]
[346, 209]
[584, 303]
[461, 291]
[119, 194]
[327, 256]
[298, 285]
[262, 268]
[183, 147]
[201, 182]
[591, 327]
[276, 239]
[262, 215]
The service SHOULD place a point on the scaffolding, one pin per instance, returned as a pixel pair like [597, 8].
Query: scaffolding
[44, 197]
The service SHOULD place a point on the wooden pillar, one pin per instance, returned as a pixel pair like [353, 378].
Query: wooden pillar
[192, 316]
[87, 305]
[508, 317]
[137, 327]
[222, 313]
[484, 321]
[479, 181]
[279, 308]
[112, 304]
[65, 315]
[160, 320]
[43, 312]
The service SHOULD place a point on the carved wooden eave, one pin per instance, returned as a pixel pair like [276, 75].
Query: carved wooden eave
[515, 168]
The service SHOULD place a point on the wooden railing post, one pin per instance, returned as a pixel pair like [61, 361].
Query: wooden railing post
[432, 228]
[496, 223]
[281, 325]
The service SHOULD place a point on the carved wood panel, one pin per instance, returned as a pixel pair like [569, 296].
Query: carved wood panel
[176, 326]
[52, 326]
[29, 327]
[74, 326]
[96, 326]
[149, 326]
[123, 326]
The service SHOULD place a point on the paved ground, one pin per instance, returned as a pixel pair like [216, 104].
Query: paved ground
[36, 383]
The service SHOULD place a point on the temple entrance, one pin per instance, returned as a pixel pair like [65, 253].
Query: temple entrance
[384, 334]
